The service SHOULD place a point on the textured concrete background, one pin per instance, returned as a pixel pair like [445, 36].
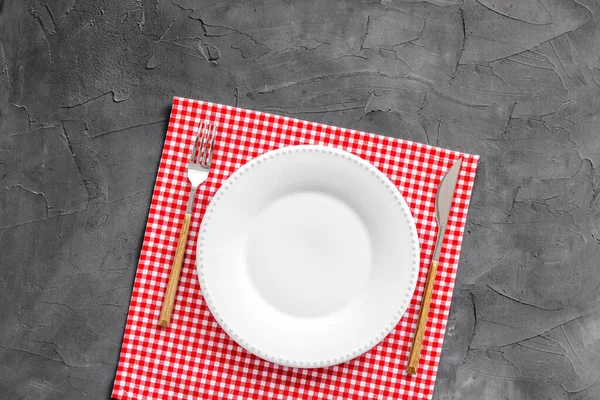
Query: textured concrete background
[85, 91]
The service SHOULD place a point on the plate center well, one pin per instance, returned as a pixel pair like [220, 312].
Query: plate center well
[309, 254]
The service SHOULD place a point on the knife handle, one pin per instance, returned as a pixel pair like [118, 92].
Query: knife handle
[415, 352]
[169, 300]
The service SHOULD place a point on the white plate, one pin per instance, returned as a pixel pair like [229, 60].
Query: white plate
[308, 256]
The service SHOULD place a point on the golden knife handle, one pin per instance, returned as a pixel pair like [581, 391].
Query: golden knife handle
[415, 352]
[169, 300]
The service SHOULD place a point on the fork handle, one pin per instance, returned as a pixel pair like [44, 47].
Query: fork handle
[415, 352]
[169, 300]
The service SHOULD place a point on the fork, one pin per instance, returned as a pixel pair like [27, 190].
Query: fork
[198, 168]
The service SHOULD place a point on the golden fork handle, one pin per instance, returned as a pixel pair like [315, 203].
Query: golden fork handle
[169, 300]
[415, 352]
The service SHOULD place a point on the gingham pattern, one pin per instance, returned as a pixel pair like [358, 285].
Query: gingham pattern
[194, 358]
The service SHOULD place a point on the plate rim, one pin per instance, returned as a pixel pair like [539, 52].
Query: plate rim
[201, 238]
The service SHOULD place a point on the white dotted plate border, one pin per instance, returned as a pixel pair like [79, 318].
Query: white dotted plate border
[384, 330]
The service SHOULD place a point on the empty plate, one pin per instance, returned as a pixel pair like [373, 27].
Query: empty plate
[308, 256]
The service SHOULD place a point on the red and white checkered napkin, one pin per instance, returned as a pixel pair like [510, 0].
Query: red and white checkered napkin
[194, 358]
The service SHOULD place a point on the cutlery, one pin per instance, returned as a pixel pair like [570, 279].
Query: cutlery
[198, 168]
[443, 201]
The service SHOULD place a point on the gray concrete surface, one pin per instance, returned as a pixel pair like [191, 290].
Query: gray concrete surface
[85, 91]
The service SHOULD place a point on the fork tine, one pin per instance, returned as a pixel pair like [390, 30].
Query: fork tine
[193, 153]
[203, 143]
[205, 137]
[209, 139]
[212, 145]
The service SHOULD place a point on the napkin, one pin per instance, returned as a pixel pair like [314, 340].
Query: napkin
[194, 358]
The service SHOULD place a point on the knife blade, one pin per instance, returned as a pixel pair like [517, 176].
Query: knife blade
[443, 203]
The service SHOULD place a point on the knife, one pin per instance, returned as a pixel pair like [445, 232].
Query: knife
[443, 201]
